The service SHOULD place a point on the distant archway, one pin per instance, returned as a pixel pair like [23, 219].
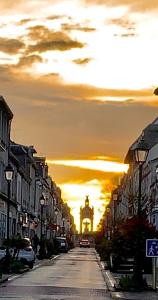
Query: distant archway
[86, 217]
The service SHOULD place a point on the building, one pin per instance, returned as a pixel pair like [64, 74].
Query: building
[5, 124]
[34, 203]
[126, 202]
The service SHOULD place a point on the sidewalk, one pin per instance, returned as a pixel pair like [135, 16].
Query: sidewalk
[38, 263]
[112, 282]
[134, 296]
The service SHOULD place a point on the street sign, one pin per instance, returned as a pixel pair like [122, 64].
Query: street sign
[152, 248]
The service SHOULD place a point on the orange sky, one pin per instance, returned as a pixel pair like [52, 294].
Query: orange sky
[79, 77]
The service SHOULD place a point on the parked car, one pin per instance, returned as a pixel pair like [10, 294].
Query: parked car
[27, 254]
[84, 243]
[62, 244]
[3, 252]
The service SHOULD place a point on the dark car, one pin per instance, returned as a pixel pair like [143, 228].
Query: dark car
[62, 244]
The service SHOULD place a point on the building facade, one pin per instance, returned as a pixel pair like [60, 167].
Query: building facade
[28, 215]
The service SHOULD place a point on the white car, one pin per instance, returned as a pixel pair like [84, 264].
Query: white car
[84, 243]
[3, 252]
[27, 256]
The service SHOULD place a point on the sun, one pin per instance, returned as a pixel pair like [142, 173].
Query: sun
[75, 194]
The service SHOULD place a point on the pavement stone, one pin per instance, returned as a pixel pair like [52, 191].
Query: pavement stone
[38, 263]
[134, 296]
[112, 284]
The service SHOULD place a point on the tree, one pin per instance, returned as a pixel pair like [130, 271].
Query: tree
[124, 241]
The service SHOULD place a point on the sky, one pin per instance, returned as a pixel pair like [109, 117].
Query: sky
[79, 77]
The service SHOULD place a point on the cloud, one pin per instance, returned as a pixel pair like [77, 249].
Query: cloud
[24, 21]
[135, 5]
[59, 45]
[70, 27]
[8, 4]
[98, 165]
[70, 126]
[128, 28]
[11, 7]
[57, 17]
[123, 22]
[10, 46]
[49, 40]
[54, 88]
[39, 32]
[82, 61]
[125, 35]
[29, 60]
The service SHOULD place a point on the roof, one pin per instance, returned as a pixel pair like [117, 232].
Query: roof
[22, 149]
[149, 135]
[5, 106]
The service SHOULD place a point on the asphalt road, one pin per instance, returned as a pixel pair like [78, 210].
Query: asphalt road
[72, 276]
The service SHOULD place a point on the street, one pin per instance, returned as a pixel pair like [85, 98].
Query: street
[75, 275]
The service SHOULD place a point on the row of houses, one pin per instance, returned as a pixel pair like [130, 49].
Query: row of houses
[28, 215]
[127, 196]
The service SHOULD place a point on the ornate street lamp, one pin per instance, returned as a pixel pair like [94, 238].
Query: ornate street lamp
[108, 210]
[56, 212]
[42, 203]
[9, 177]
[141, 153]
[42, 246]
[114, 199]
[63, 227]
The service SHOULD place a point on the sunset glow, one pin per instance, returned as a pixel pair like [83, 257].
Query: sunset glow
[83, 73]
[99, 191]
[99, 165]
[76, 193]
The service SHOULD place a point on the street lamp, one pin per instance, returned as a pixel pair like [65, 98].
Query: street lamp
[42, 203]
[114, 199]
[63, 229]
[56, 213]
[9, 177]
[107, 222]
[141, 153]
[42, 246]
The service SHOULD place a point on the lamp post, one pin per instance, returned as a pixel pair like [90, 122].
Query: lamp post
[42, 203]
[63, 229]
[56, 214]
[9, 178]
[107, 222]
[141, 152]
[42, 246]
[114, 199]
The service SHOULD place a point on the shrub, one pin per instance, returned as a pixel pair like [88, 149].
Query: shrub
[103, 247]
[16, 266]
[128, 283]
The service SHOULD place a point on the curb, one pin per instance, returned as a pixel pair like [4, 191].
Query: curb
[14, 275]
[2, 280]
[108, 277]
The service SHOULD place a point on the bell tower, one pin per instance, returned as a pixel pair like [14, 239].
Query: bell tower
[86, 217]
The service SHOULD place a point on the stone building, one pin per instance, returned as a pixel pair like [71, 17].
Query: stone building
[126, 204]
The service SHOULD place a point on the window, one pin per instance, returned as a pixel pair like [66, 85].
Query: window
[154, 219]
[2, 225]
